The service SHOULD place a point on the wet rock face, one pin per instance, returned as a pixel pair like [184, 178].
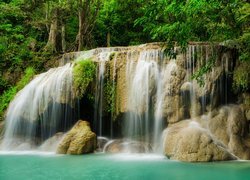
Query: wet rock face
[79, 140]
[188, 141]
[126, 146]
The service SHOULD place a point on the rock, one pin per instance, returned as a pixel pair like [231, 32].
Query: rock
[101, 142]
[188, 141]
[186, 87]
[237, 129]
[236, 121]
[218, 125]
[79, 140]
[1, 129]
[238, 147]
[172, 111]
[246, 104]
[247, 113]
[52, 143]
[230, 127]
[126, 146]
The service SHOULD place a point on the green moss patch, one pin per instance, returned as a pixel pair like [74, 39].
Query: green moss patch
[83, 73]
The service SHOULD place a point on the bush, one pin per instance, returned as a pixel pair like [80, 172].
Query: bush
[241, 77]
[9, 94]
[83, 73]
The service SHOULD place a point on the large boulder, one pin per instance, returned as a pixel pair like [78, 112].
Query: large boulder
[79, 140]
[188, 141]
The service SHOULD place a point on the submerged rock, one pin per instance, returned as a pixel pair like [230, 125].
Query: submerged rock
[79, 140]
[127, 146]
[188, 141]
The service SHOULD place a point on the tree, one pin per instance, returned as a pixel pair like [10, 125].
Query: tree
[87, 14]
[115, 23]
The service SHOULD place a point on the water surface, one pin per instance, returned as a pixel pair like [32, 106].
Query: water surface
[108, 167]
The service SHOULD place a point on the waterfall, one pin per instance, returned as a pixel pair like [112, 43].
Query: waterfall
[163, 88]
[113, 89]
[144, 81]
[153, 91]
[39, 110]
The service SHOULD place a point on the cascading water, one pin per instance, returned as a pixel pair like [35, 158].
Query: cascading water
[163, 87]
[39, 110]
[146, 79]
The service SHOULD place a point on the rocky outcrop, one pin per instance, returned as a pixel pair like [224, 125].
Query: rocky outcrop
[188, 141]
[79, 140]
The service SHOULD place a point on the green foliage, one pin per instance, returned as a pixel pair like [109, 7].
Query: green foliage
[28, 75]
[179, 22]
[199, 74]
[241, 77]
[25, 24]
[9, 94]
[117, 18]
[5, 99]
[83, 73]
[193, 20]
[110, 96]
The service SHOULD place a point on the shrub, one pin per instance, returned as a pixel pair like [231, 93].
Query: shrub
[83, 73]
[9, 94]
[241, 77]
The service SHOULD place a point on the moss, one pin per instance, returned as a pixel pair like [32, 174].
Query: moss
[241, 77]
[9, 94]
[111, 56]
[83, 74]
[110, 96]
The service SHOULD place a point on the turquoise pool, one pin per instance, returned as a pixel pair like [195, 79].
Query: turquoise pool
[120, 166]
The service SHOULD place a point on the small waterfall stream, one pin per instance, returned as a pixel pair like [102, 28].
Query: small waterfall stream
[139, 99]
[98, 117]
[41, 109]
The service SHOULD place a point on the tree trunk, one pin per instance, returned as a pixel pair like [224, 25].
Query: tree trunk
[51, 44]
[63, 38]
[47, 15]
[80, 30]
[108, 39]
